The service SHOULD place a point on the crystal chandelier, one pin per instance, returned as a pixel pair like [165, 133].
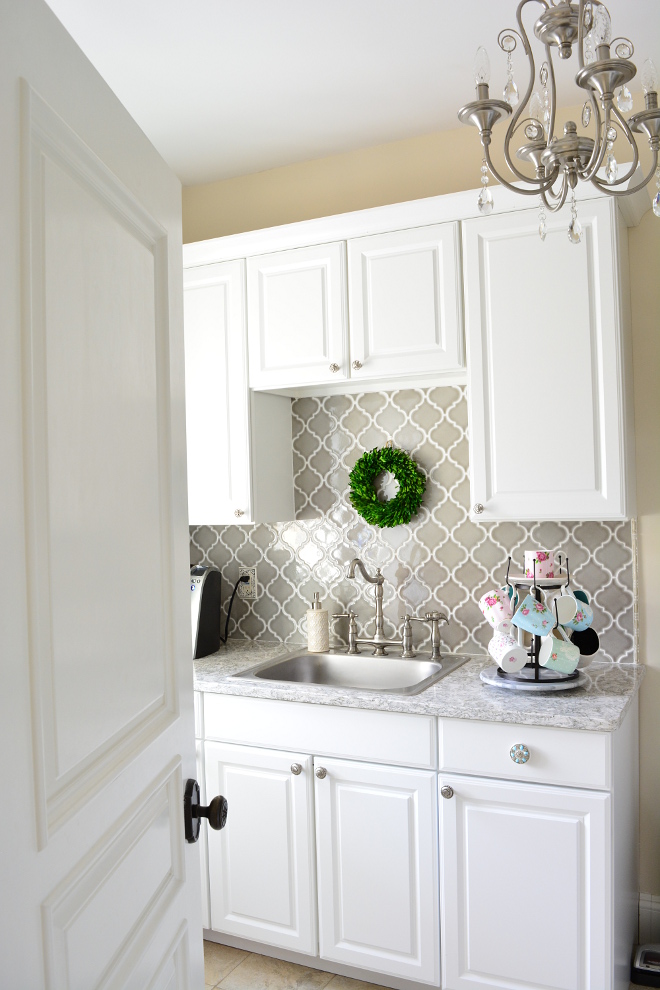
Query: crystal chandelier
[604, 72]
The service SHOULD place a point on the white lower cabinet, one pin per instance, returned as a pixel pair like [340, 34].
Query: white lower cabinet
[376, 858]
[376, 848]
[526, 886]
[261, 866]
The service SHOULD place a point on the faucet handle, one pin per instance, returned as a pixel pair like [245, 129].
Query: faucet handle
[344, 615]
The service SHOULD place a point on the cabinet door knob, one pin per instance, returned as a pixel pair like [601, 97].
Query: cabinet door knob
[447, 791]
[296, 768]
[478, 509]
[321, 772]
[356, 365]
[334, 368]
[519, 753]
[238, 513]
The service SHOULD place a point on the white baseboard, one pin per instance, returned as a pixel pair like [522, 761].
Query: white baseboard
[649, 919]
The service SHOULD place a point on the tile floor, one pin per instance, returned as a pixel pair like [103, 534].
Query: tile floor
[234, 969]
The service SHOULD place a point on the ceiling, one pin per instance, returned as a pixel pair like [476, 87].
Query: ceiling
[229, 87]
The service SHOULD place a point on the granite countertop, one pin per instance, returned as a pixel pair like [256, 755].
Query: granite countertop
[599, 706]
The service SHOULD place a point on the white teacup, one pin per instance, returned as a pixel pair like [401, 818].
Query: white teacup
[506, 653]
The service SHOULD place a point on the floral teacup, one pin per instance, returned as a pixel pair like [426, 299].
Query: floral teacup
[534, 616]
[545, 563]
[563, 656]
[506, 653]
[496, 606]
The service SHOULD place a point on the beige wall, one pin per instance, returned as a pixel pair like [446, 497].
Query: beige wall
[446, 162]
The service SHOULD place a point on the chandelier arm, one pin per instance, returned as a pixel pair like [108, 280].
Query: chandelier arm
[541, 186]
[605, 186]
[523, 103]
[580, 41]
[598, 151]
[553, 93]
[631, 141]
[560, 197]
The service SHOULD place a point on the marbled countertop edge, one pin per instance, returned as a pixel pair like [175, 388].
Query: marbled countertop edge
[599, 706]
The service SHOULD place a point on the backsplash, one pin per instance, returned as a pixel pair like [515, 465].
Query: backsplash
[440, 560]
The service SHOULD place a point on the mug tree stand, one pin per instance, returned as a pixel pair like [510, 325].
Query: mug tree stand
[533, 677]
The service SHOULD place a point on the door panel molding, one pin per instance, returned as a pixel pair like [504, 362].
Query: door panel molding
[52, 152]
[152, 823]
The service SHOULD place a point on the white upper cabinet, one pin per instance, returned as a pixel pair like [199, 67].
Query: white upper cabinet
[404, 294]
[216, 392]
[240, 463]
[547, 346]
[297, 317]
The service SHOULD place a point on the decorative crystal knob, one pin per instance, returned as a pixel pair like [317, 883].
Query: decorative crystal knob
[296, 768]
[321, 772]
[447, 791]
[238, 513]
[519, 753]
[356, 365]
[334, 368]
[477, 509]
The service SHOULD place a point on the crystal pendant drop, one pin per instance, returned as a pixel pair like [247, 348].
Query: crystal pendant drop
[575, 231]
[511, 93]
[586, 114]
[485, 201]
[611, 169]
[624, 99]
[543, 229]
[656, 204]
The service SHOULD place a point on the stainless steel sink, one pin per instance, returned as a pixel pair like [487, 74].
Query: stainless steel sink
[362, 673]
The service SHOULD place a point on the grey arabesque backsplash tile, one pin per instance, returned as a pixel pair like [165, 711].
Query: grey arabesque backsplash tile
[441, 559]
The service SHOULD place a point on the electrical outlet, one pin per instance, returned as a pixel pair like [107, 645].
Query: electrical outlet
[248, 589]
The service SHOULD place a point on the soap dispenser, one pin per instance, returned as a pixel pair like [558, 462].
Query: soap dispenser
[317, 627]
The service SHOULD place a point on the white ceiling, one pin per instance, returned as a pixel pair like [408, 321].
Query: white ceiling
[228, 87]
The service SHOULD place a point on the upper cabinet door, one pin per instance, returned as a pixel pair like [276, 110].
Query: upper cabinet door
[405, 302]
[216, 394]
[546, 358]
[297, 317]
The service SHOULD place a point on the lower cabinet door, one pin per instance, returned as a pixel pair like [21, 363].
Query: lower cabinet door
[377, 866]
[261, 865]
[526, 886]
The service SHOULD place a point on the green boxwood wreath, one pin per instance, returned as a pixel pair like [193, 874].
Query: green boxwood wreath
[362, 494]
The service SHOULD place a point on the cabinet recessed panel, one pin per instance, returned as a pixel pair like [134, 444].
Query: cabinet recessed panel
[404, 302]
[296, 317]
[526, 889]
[216, 393]
[377, 868]
[260, 865]
[544, 365]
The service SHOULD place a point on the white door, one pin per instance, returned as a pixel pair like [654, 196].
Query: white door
[525, 886]
[297, 317]
[376, 847]
[261, 866]
[217, 394]
[99, 888]
[405, 296]
[548, 410]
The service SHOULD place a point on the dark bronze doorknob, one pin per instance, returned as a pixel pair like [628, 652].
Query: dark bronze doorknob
[193, 811]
